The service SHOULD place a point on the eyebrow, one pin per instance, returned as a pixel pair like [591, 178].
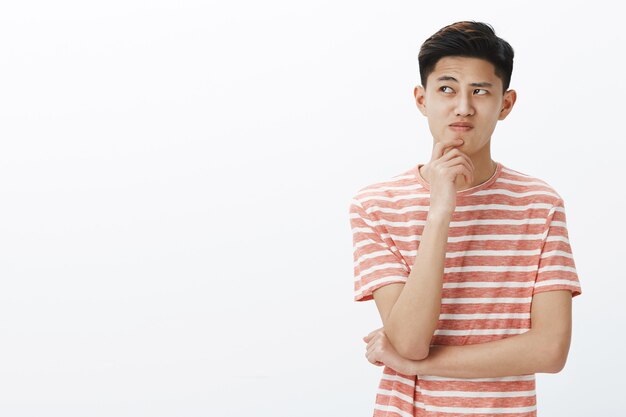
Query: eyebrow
[449, 78]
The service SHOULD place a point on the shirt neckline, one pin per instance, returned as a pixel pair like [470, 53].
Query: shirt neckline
[471, 190]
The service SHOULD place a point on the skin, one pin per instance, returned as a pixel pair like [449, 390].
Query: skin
[459, 89]
[462, 89]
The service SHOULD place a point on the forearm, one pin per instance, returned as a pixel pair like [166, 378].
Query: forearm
[413, 319]
[523, 354]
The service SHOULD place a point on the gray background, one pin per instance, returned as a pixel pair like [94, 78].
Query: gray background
[174, 188]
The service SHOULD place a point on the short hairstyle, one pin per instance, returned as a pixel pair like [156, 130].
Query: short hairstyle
[467, 39]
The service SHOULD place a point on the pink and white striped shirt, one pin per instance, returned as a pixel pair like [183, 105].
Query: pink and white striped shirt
[507, 241]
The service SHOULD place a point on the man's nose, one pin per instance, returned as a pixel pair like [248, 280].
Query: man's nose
[464, 106]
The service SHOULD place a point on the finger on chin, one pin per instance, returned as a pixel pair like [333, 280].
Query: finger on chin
[447, 149]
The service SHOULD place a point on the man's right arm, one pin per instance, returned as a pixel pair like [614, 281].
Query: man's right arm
[410, 311]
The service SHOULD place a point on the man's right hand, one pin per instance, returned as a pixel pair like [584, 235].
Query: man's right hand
[446, 165]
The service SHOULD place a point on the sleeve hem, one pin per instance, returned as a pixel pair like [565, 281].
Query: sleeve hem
[368, 294]
[575, 290]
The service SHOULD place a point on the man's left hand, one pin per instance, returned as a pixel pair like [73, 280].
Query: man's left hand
[380, 352]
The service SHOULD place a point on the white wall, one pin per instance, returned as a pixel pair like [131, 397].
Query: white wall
[174, 189]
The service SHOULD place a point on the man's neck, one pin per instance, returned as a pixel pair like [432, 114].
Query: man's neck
[483, 171]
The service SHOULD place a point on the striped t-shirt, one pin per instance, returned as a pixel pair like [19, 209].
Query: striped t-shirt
[507, 241]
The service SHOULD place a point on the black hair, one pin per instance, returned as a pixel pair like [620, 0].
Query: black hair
[467, 39]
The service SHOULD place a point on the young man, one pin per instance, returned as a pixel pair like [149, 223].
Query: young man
[468, 261]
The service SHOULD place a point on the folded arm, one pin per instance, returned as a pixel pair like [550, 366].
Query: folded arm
[410, 311]
[542, 349]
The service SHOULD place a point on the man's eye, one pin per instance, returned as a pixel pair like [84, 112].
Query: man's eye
[480, 91]
[446, 89]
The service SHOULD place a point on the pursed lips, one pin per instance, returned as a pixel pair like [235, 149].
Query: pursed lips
[461, 126]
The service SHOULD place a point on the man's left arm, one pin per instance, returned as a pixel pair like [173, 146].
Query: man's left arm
[542, 349]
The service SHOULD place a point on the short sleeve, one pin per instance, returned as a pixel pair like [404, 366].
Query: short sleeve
[377, 262]
[557, 270]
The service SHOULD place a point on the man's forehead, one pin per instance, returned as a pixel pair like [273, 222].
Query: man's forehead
[486, 84]
[464, 69]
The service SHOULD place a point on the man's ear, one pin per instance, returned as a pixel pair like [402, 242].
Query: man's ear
[420, 99]
[507, 104]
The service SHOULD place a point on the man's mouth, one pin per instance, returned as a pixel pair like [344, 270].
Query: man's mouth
[461, 126]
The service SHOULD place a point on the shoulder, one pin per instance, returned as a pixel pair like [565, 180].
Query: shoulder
[392, 191]
[530, 185]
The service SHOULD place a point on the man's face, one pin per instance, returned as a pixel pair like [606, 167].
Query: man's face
[463, 99]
